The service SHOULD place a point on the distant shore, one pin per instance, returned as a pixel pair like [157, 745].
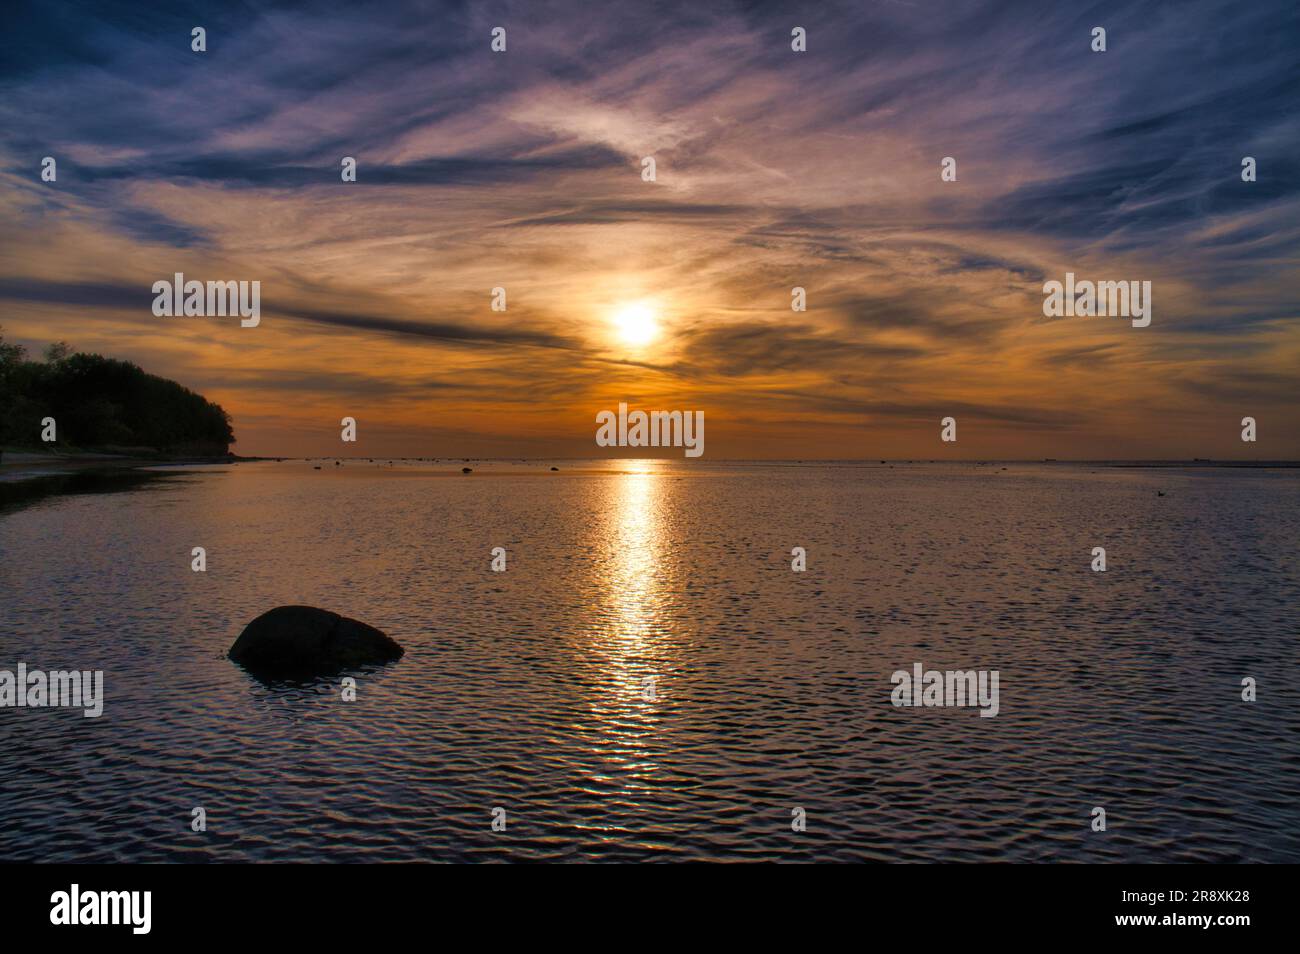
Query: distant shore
[24, 464]
[20, 464]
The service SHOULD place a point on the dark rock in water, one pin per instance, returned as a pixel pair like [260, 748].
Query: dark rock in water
[302, 641]
[555, 468]
[467, 470]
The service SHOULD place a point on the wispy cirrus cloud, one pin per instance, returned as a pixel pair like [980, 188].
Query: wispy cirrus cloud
[522, 170]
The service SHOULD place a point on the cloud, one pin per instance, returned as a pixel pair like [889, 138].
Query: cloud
[775, 169]
[140, 298]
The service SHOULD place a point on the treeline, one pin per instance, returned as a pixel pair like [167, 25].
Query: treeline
[102, 403]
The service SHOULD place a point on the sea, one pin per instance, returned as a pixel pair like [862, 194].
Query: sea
[680, 660]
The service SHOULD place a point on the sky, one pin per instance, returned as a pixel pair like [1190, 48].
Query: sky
[820, 169]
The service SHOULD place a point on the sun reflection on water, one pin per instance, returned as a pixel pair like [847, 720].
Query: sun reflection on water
[633, 579]
[633, 642]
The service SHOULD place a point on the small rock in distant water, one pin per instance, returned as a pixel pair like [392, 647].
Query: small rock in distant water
[467, 470]
[297, 642]
[316, 467]
[555, 468]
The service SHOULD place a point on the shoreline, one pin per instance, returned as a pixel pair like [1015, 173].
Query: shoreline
[18, 466]
[24, 465]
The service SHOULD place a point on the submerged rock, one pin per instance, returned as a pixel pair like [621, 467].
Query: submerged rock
[303, 641]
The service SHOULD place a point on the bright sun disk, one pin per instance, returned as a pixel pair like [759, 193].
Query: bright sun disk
[636, 324]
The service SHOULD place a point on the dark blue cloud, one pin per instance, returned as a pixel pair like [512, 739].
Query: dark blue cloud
[114, 295]
[278, 170]
[145, 225]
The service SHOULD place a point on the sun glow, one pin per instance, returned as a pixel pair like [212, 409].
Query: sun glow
[636, 324]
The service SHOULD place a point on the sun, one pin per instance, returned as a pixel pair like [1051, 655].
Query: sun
[636, 323]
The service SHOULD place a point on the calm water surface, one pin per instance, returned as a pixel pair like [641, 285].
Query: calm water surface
[525, 689]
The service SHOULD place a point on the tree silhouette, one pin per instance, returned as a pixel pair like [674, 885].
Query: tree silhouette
[101, 402]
